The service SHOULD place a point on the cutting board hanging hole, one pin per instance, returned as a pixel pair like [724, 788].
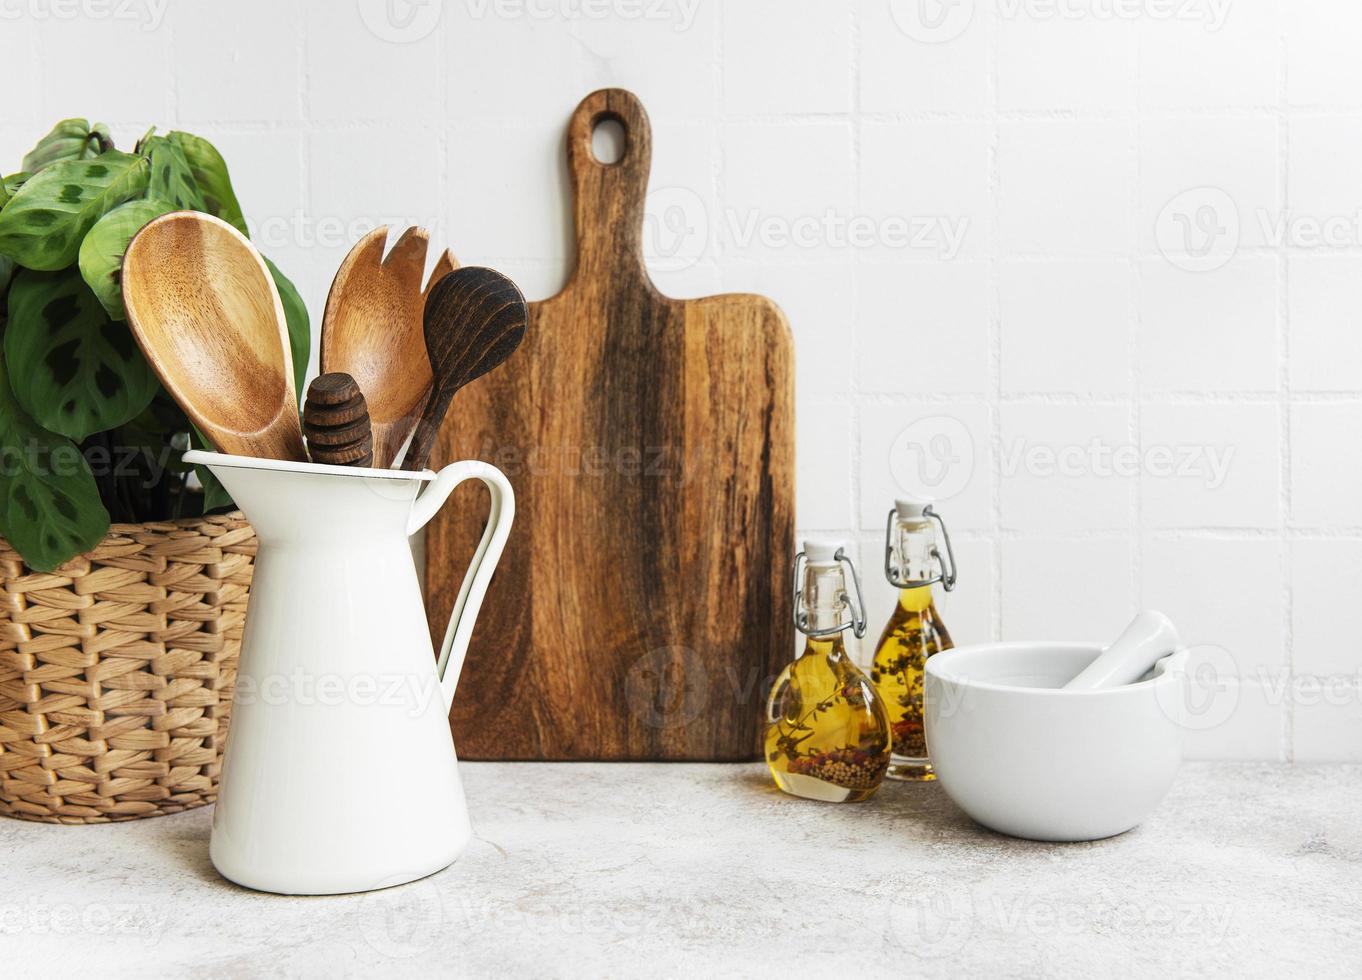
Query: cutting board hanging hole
[608, 140]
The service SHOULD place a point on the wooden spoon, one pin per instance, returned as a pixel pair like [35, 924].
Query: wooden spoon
[205, 311]
[475, 319]
[372, 331]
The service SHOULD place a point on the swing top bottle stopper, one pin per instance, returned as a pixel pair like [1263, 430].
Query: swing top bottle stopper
[911, 556]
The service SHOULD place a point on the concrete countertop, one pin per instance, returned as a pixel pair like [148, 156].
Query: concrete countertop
[701, 870]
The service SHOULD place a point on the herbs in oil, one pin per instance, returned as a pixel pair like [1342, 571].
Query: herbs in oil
[827, 730]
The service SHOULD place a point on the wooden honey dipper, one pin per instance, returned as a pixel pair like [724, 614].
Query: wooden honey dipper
[336, 422]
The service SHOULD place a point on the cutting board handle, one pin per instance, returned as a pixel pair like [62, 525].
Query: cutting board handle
[608, 197]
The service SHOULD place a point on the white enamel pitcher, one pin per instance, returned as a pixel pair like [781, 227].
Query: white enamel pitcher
[340, 773]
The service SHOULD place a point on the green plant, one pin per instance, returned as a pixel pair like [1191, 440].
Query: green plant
[87, 433]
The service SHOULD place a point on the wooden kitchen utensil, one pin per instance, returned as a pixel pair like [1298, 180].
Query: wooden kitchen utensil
[336, 422]
[642, 606]
[474, 320]
[372, 330]
[206, 313]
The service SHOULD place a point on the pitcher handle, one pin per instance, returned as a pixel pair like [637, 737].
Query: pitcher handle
[475, 581]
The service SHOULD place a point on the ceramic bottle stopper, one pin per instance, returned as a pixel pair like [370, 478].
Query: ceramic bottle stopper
[336, 422]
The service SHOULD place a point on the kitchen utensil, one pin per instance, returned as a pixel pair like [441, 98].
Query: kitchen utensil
[336, 422]
[1025, 757]
[340, 774]
[1149, 638]
[651, 440]
[372, 330]
[205, 311]
[474, 320]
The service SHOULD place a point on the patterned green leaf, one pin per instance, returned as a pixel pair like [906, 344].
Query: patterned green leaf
[49, 505]
[9, 186]
[41, 228]
[101, 253]
[72, 368]
[70, 139]
[172, 178]
[210, 174]
[299, 332]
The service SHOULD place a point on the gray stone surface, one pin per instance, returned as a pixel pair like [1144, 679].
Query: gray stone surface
[694, 870]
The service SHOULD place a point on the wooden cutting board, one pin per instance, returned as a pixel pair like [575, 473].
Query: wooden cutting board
[642, 607]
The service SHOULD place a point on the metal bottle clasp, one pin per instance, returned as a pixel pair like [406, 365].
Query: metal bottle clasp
[946, 563]
[857, 622]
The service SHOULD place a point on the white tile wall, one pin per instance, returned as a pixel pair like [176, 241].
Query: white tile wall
[1124, 234]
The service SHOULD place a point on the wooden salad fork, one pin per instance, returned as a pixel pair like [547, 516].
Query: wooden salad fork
[373, 331]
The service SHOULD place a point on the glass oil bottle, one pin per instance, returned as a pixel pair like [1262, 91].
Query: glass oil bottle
[913, 564]
[827, 735]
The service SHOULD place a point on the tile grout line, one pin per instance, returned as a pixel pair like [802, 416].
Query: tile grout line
[1283, 313]
[994, 399]
[857, 450]
[1134, 324]
[173, 88]
[443, 197]
[308, 130]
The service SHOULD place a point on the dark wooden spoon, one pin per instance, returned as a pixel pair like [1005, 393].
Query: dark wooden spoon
[475, 318]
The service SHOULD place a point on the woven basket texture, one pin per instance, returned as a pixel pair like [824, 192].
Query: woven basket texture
[116, 671]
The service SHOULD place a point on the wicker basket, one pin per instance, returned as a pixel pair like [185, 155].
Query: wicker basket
[116, 671]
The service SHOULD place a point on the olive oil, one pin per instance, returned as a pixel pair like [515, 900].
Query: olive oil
[913, 564]
[827, 734]
[914, 632]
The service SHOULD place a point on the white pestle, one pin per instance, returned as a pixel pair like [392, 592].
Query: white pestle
[1149, 638]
